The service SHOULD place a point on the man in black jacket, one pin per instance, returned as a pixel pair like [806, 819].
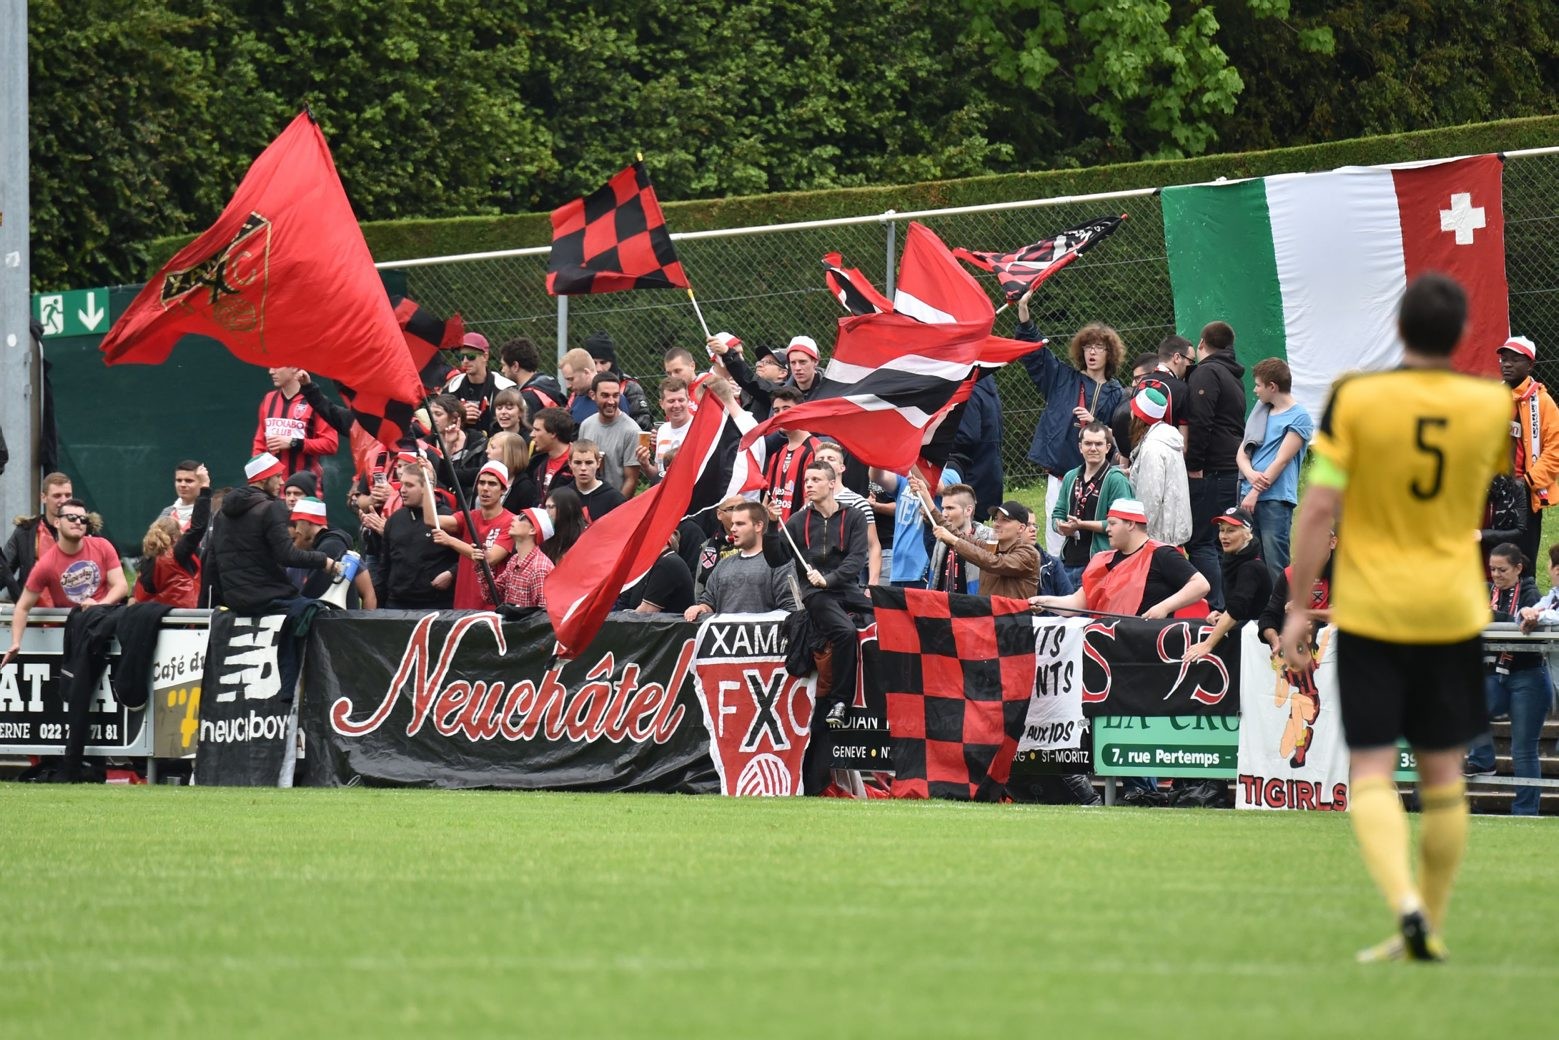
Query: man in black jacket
[33, 536]
[252, 546]
[415, 572]
[1215, 419]
[832, 543]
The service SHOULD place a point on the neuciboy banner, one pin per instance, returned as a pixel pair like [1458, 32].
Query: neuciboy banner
[460, 699]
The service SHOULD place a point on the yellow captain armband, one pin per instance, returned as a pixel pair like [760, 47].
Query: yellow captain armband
[1326, 473]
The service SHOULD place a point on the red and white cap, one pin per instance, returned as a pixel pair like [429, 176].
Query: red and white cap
[728, 341]
[1520, 345]
[262, 467]
[540, 522]
[497, 470]
[310, 509]
[806, 344]
[1129, 509]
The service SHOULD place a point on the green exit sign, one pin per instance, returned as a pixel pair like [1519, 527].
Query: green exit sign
[79, 312]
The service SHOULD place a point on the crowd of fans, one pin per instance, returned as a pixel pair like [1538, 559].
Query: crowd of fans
[1166, 495]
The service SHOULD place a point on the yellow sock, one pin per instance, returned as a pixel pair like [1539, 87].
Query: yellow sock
[1380, 826]
[1441, 841]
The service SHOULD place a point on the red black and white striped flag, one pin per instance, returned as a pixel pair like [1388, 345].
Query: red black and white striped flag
[896, 375]
[958, 672]
[851, 288]
[618, 550]
[613, 240]
[1020, 271]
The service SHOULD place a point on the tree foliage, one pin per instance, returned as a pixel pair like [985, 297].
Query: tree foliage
[145, 114]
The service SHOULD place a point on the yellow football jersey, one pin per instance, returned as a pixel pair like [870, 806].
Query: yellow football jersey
[1419, 448]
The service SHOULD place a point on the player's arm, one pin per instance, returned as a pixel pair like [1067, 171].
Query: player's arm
[1314, 522]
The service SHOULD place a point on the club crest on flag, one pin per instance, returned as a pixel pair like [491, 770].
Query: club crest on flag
[230, 276]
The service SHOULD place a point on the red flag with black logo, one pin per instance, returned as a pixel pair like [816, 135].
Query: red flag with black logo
[612, 240]
[959, 673]
[283, 278]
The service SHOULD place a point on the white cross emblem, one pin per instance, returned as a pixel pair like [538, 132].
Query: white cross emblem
[1463, 218]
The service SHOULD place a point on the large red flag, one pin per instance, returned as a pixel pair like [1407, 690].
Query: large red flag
[283, 278]
[619, 549]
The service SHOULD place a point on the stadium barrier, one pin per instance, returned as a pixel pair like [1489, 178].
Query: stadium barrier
[463, 699]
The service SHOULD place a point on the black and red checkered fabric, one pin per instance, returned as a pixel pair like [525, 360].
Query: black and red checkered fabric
[612, 240]
[959, 672]
[387, 420]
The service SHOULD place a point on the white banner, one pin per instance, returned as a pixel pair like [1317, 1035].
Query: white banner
[1292, 752]
[1055, 718]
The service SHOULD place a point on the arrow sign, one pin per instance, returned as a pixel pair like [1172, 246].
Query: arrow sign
[79, 312]
[93, 315]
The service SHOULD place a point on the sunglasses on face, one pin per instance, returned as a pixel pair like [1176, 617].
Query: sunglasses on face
[75, 518]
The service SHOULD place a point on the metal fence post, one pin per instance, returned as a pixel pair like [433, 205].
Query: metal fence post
[562, 328]
[888, 264]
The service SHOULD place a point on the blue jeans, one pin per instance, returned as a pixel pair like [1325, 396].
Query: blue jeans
[1525, 694]
[1075, 574]
[1273, 520]
[1210, 496]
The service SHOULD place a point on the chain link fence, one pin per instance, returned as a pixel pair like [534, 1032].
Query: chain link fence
[766, 285]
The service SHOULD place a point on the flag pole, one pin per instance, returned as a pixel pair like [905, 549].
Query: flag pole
[484, 569]
[793, 547]
[698, 311]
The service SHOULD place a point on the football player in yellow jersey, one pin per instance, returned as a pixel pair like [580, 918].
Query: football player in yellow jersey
[1402, 463]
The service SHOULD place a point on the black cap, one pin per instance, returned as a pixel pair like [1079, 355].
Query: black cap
[1235, 517]
[1012, 511]
[305, 482]
[601, 347]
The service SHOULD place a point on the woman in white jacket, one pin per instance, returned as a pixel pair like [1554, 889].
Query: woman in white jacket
[1158, 468]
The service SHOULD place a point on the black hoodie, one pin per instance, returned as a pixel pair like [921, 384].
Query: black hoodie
[1215, 414]
[252, 547]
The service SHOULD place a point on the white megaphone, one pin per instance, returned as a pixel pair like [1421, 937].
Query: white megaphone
[351, 563]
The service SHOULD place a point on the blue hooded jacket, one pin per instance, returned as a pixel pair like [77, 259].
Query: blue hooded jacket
[1054, 447]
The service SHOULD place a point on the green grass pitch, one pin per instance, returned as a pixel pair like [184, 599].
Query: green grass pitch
[161, 912]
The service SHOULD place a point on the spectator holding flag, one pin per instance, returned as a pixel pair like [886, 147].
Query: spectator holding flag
[416, 571]
[801, 357]
[826, 545]
[1075, 396]
[1139, 577]
[488, 537]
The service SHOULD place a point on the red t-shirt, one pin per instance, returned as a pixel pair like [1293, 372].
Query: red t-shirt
[468, 587]
[75, 578]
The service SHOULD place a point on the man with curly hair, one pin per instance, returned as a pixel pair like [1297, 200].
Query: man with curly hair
[1075, 395]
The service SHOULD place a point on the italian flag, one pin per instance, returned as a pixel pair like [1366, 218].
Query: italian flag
[1309, 267]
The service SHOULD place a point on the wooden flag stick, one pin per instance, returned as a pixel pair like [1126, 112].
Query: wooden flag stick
[698, 311]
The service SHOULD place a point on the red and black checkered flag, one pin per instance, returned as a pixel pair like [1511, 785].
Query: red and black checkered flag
[959, 673]
[1021, 271]
[612, 240]
[387, 420]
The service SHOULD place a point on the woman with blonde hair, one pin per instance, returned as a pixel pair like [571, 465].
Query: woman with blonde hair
[512, 450]
[170, 561]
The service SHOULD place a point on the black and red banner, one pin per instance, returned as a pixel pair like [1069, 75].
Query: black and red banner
[463, 699]
[1133, 666]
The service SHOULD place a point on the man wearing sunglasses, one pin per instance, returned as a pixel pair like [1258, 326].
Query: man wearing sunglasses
[80, 569]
